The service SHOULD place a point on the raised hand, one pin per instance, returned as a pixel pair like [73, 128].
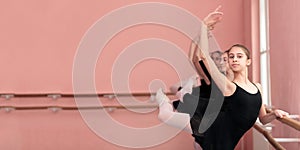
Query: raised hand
[213, 18]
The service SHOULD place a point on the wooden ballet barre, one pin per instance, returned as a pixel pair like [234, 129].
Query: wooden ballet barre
[32, 95]
[288, 121]
[78, 107]
[269, 137]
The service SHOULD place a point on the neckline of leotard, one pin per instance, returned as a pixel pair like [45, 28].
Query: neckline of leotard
[247, 91]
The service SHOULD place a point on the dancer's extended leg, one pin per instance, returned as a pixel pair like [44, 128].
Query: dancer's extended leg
[174, 88]
[167, 115]
[186, 89]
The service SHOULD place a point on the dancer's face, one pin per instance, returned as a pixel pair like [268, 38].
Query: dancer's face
[238, 60]
[216, 57]
[225, 65]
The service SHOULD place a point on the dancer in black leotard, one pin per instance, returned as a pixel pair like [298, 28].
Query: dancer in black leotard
[242, 101]
[195, 104]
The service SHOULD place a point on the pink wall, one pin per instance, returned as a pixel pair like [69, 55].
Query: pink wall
[39, 40]
[54, 29]
[284, 51]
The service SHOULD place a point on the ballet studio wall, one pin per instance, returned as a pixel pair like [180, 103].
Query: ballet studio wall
[45, 49]
[284, 64]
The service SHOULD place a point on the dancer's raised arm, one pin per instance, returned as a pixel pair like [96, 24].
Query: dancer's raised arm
[225, 85]
[196, 59]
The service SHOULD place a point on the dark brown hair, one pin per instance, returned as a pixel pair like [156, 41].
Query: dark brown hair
[244, 48]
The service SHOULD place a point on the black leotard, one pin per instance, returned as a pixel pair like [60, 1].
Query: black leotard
[237, 115]
[241, 112]
[198, 100]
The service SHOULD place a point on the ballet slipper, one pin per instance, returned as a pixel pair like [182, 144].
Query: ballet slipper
[161, 98]
[175, 88]
[193, 79]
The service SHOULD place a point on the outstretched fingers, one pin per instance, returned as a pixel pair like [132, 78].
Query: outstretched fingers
[213, 18]
[218, 8]
[280, 113]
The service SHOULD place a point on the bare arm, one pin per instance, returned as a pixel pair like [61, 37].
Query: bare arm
[196, 60]
[225, 85]
[265, 117]
[193, 48]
